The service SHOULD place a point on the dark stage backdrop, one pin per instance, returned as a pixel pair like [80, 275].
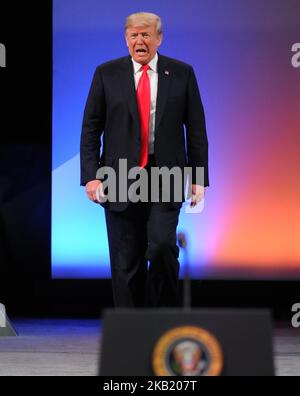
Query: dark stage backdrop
[25, 151]
[249, 78]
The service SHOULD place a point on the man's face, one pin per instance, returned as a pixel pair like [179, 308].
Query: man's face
[142, 42]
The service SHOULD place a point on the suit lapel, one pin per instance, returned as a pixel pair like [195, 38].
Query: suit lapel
[129, 92]
[128, 87]
[162, 89]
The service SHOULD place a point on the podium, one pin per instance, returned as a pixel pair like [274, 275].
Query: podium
[195, 342]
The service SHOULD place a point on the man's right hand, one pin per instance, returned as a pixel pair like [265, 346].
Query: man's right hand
[91, 188]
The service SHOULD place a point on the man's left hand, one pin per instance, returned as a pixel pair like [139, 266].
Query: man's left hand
[198, 193]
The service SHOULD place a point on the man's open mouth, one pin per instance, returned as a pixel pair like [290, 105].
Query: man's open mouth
[141, 51]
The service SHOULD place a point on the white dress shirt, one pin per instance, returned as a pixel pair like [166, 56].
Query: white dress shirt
[153, 77]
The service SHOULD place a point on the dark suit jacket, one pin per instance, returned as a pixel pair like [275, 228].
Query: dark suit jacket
[112, 108]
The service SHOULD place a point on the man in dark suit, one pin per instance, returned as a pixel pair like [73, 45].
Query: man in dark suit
[141, 104]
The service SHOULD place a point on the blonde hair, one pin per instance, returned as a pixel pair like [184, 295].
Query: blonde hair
[144, 18]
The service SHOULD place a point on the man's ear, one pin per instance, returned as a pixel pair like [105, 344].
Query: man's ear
[126, 41]
[160, 39]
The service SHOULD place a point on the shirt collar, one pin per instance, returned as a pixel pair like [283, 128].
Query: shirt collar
[152, 64]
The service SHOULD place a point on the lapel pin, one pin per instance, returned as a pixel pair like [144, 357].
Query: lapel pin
[167, 72]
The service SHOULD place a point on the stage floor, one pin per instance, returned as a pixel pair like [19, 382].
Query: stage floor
[71, 348]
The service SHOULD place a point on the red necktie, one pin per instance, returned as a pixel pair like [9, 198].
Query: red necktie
[143, 101]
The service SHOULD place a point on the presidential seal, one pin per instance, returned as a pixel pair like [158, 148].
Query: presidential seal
[187, 351]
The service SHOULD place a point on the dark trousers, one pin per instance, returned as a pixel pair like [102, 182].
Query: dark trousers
[144, 232]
